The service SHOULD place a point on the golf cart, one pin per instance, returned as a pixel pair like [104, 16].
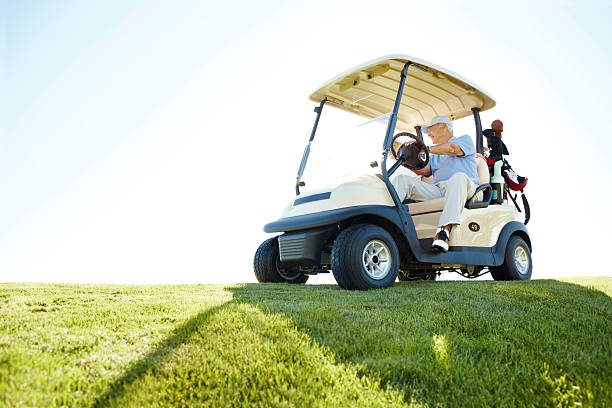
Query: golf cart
[360, 229]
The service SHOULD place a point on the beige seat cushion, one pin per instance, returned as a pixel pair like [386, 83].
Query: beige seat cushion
[438, 204]
[426, 206]
[483, 170]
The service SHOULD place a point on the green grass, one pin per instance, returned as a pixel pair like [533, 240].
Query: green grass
[544, 343]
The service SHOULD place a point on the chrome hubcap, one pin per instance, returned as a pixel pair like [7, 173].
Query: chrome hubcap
[521, 259]
[376, 259]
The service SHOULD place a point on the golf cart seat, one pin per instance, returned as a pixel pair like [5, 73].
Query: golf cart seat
[437, 205]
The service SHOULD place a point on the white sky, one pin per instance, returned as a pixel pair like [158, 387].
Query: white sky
[149, 142]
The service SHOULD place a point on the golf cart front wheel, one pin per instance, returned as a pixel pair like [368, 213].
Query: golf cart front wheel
[268, 267]
[364, 257]
[517, 261]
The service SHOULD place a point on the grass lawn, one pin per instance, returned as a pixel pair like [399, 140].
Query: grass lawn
[542, 343]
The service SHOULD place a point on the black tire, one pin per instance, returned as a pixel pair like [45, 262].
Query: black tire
[497, 273]
[517, 252]
[348, 253]
[416, 275]
[267, 266]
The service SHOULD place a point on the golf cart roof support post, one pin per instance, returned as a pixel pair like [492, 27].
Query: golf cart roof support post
[389, 136]
[300, 173]
[398, 100]
[402, 211]
[479, 145]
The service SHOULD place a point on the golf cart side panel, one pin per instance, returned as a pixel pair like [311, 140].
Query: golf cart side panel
[467, 255]
[349, 191]
[474, 229]
[482, 226]
[368, 90]
[333, 217]
[456, 255]
[426, 224]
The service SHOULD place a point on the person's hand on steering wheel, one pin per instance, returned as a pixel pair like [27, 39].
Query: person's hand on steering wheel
[414, 153]
[398, 145]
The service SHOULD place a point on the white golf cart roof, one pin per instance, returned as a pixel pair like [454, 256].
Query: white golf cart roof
[369, 90]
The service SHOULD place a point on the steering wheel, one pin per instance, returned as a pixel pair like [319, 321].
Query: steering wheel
[413, 159]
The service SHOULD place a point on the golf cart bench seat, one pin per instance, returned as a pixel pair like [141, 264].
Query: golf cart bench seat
[423, 207]
[436, 205]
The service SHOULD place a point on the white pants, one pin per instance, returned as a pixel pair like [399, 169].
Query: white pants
[455, 191]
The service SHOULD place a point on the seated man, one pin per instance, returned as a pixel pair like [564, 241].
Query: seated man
[452, 162]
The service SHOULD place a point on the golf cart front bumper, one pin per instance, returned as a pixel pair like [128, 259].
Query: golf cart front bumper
[305, 248]
[305, 235]
[330, 217]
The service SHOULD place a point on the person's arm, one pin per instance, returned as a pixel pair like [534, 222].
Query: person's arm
[450, 149]
[425, 171]
[428, 180]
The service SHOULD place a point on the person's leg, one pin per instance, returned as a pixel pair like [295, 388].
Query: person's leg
[412, 187]
[456, 191]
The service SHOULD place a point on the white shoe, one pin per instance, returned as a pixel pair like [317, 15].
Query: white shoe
[440, 242]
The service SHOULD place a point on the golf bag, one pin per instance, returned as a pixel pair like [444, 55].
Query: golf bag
[514, 182]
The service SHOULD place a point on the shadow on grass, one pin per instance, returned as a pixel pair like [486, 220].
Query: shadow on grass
[461, 343]
[178, 337]
[449, 343]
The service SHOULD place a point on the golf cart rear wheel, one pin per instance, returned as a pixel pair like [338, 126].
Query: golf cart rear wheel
[517, 261]
[268, 267]
[364, 257]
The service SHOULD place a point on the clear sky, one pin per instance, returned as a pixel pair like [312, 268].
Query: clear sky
[150, 141]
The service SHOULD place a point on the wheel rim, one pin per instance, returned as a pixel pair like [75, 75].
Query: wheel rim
[376, 259]
[521, 259]
[285, 274]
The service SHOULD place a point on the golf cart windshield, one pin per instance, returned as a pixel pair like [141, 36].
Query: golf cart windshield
[344, 145]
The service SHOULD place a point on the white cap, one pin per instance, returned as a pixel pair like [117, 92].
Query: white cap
[435, 121]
